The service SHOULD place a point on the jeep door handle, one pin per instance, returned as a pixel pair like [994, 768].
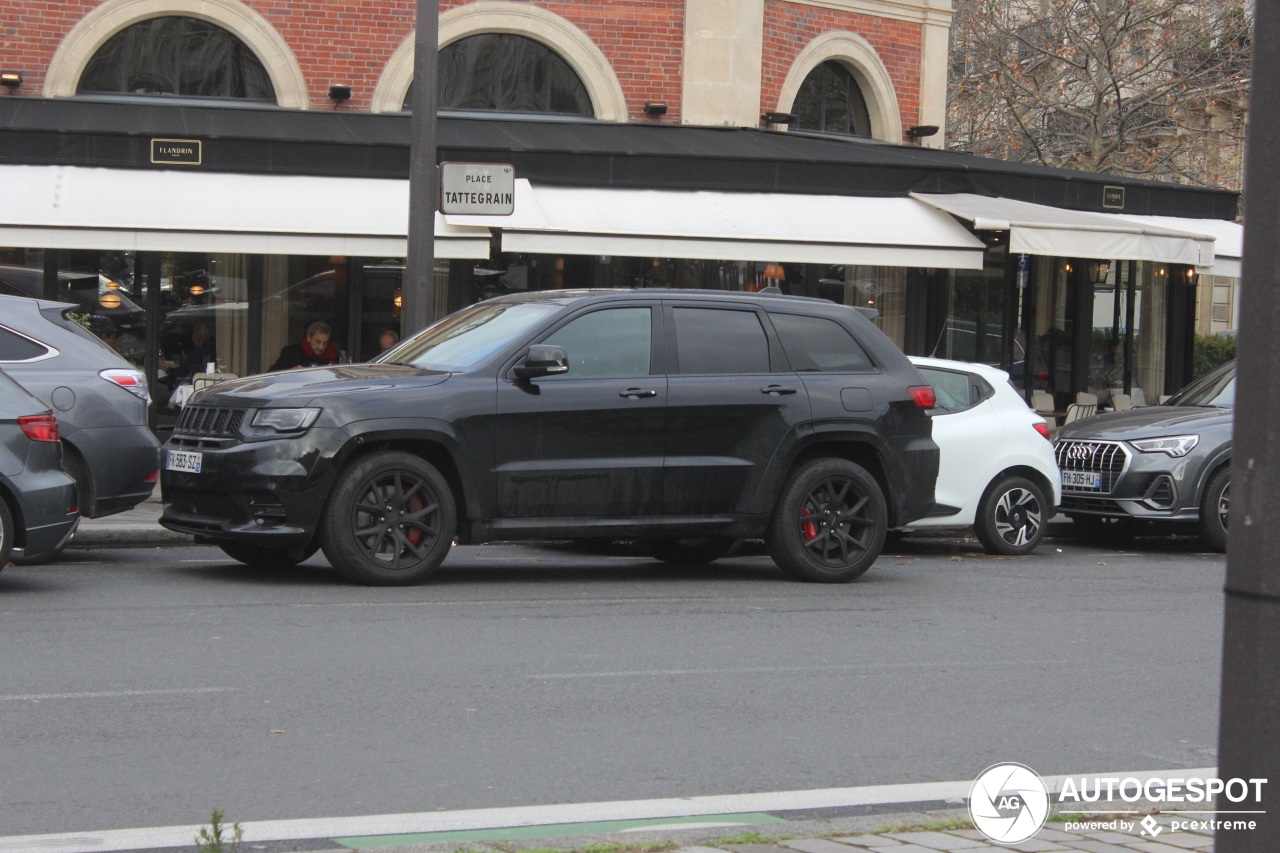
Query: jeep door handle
[777, 390]
[637, 393]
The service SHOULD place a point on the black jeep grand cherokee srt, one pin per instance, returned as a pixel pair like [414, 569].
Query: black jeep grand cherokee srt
[686, 420]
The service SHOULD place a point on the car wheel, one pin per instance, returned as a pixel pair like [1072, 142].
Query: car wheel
[1214, 508]
[1105, 529]
[6, 534]
[694, 551]
[264, 557]
[829, 523]
[1011, 517]
[390, 520]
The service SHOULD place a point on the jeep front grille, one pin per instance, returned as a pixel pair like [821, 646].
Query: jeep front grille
[1107, 458]
[209, 421]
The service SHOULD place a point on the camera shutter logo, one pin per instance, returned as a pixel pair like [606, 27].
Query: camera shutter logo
[1008, 803]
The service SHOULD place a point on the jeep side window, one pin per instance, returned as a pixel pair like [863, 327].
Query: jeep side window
[818, 344]
[612, 342]
[714, 340]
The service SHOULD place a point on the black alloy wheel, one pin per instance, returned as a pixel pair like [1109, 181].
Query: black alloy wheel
[830, 522]
[390, 520]
[1215, 506]
[1011, 517]
[6, 533]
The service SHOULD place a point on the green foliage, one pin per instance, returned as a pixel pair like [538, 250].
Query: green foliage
[749, 837]
[216, 838]
[1210, 351]
[942, 825]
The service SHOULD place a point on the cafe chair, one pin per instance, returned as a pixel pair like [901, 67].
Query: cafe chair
[203, 380]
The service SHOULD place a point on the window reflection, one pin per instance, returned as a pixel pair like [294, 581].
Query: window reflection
[507, 73]
[177, 56]
[831, 101]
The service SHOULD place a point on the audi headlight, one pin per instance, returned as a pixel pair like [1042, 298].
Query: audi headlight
[285, 420]
[1174, 445]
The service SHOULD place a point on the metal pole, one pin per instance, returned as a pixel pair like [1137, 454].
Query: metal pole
[419, 290]
[1249, 733]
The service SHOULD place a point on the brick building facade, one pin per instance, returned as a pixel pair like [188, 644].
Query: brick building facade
[712, 62]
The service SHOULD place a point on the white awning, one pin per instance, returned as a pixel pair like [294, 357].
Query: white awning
[728, 226]
[1228, 247]
[69, 207]
[1037, 229]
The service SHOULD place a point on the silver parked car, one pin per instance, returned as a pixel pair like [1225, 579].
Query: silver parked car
[37, 499]
[1166, 463]
[100, 401]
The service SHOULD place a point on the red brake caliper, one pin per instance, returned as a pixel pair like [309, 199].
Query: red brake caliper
[415, 535]
[809, 528]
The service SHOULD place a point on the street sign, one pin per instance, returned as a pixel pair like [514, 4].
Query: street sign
[487, 189]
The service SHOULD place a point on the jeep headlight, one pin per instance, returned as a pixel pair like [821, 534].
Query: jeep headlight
[1174, 445]
[285, 420]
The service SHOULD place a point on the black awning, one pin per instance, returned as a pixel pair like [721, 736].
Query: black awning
[86, 132]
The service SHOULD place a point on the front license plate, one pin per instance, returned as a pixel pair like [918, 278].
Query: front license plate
[1081, 480]
[183, 460]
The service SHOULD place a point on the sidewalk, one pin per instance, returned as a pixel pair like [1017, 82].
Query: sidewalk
[140, 527]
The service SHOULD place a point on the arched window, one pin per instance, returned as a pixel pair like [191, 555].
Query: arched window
[831, 101]
[178, 57]
[507, 73]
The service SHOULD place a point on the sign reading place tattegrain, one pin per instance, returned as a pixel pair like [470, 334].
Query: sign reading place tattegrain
[478, 188]
[180, 152]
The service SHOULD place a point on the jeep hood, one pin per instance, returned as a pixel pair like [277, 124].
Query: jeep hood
[302, 386]
[1147, 422]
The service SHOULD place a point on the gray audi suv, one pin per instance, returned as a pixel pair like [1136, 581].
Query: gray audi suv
[1166, 463]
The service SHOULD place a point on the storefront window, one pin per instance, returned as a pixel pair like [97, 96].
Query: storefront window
[974, 325]
[298, 291]
[203, 323]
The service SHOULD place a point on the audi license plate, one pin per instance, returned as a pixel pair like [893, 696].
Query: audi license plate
[184, 460]
[1080, 480]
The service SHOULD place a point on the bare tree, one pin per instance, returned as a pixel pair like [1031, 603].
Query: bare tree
[1148, 88]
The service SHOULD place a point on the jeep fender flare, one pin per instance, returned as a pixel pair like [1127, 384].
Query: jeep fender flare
[436, 441]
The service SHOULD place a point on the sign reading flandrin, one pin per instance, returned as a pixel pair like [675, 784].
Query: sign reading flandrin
[486, 189]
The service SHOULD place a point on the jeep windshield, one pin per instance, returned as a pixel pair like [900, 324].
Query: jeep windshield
[469, 338]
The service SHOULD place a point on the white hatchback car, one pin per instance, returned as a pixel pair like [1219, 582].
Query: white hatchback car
[997, 471]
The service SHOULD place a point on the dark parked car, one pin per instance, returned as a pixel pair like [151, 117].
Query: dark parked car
[38, 511]
[687, 420]
[100, 401]
[1166, 463]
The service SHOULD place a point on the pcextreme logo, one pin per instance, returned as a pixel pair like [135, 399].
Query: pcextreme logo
[1009, 803]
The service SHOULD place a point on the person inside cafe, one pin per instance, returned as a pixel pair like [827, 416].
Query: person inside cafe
[387, 338]
[315, 349]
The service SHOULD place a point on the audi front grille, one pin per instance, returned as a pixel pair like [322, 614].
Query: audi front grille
[1109, 459]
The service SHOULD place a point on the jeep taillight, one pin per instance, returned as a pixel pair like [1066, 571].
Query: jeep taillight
[923, 396]
[39, 427]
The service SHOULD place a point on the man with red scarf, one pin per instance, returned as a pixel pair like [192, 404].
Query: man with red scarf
[314, 349]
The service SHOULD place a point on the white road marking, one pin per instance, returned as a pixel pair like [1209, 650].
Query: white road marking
[113, 694]
[497, 818]
[746, 670]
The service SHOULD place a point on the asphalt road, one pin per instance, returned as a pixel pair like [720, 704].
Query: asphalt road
[146, 687]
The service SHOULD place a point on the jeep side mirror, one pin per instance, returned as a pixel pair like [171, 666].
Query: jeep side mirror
[543, 360]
